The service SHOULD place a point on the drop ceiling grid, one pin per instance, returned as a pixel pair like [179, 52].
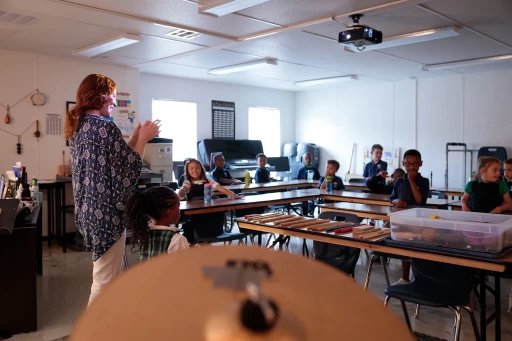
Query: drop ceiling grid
[288, 12]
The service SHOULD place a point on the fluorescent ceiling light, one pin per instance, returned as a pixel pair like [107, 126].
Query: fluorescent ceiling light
[108, 45]
[469, 62]
[242, 67]
[219, 8]
[326, 81]
[411, 38]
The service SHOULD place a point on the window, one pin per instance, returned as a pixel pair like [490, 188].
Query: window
[179, 122]
[265, 125]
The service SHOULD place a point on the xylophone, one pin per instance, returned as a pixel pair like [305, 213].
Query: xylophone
[318, 225]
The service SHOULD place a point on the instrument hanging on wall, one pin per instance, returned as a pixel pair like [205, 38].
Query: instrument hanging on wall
[36, 97]
[37, 133]
[18, 136]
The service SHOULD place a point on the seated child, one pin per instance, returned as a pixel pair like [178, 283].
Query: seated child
[377, 166]
[210, 224]
[411, 189]
[487, 193]
[303, 171]
[376, 184]
[507, 170]
[220, 174]
[150, 215]
[262, 173]
[181, 180]
[332, 167]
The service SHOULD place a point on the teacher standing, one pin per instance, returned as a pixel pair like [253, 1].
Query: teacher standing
[105, 170]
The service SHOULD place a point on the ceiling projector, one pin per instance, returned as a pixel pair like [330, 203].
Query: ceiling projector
[359, 35]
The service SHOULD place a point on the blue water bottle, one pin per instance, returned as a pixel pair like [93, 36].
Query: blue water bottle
[328, 183]
[311, 175]
[207, 193]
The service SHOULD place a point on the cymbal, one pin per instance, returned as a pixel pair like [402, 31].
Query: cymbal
[198, 294]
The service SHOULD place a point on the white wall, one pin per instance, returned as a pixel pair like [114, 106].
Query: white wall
[424, 114]
[202, 92]
[58, 79]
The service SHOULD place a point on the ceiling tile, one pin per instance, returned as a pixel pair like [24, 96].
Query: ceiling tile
[288, 12]
[493, 17]
[182, 13]
[466, 46]
[196, 73]
[209, 59]
[154, 48]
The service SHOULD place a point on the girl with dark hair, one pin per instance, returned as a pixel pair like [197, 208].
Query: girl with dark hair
[150, 216]
[105, 170]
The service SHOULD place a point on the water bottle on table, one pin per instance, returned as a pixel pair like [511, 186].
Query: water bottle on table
[311, 175]
[207, 193]
[328, 183]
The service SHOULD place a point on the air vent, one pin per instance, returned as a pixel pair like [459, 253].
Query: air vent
[16, 20]
[183, 34]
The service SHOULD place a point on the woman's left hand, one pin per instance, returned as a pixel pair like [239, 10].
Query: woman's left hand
[237, 196]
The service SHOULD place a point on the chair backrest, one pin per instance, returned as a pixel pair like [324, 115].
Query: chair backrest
[336, 216]
[173, 186]
[357, 180]
[179, 170]
[438, 195]
[426, 272]
[181, 180]
[343, 258]
[499, 152]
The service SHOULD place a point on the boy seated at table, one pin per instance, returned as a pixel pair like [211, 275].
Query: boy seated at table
[262, 174]
[332, 167]
[220, 174]
[307, 166]
[378, 185]
[409, 190]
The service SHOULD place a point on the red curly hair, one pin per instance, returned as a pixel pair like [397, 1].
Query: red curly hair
[91, 95]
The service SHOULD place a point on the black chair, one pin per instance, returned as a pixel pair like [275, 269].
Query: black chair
[437, 285]
[343, 258]
[438, 195]
[208, 228]
[357, 180]
[181, 180]
[173, 185]
[499, 152]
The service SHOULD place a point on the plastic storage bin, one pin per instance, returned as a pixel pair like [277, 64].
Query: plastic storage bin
[480, 232]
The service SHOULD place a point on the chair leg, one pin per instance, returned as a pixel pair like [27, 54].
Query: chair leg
[417, 313]
[368, 272]
[456, 311]
[386, 276]
[473, 322]
[367, 254]
[406, 315]
[125, 261]
[386, 300]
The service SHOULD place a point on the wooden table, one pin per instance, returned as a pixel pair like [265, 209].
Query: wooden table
[262, 200]
[315, 301]
[374, 199]
[451, 192]
[495, 266]
[356, 186]
[361, 210]
[273, 186]
[301, 195]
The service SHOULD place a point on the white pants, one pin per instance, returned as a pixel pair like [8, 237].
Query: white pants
[107, 267]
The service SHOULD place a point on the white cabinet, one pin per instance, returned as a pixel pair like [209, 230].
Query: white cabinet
[158, 158]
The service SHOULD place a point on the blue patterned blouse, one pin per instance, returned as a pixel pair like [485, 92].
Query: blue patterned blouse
[105, 171]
